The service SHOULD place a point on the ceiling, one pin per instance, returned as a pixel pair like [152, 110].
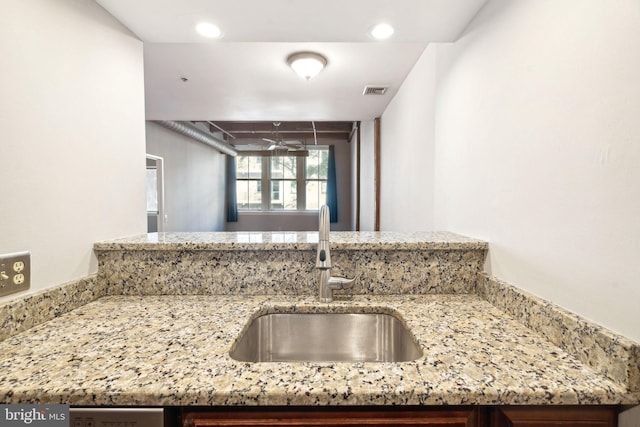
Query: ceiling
[244, 76]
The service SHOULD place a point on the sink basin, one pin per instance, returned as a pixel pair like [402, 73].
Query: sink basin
[326, 337]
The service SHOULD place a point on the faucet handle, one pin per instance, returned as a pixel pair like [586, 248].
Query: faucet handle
[341, 282]
[328, 284]
[323, 257]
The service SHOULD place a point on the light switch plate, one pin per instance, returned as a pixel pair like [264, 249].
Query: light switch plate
[15, 272]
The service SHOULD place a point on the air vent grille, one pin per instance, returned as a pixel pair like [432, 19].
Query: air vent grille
[375, 90]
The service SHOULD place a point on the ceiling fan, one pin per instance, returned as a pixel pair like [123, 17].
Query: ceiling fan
[278, 143]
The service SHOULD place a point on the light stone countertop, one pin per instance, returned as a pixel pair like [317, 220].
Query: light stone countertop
[296, 240]
[173, 350]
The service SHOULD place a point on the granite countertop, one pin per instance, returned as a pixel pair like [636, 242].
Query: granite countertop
[174, 350]
[241, 241]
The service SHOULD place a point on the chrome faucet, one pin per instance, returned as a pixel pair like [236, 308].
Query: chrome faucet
[328, 284]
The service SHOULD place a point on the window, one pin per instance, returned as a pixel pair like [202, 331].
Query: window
[294, 183]
[283, 176]
[316, 172]
[249, 182]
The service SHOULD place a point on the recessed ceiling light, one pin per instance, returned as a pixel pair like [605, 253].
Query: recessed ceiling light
[307, 64]
[207, 29]
[382, 31]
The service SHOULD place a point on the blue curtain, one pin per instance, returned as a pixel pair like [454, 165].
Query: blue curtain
[332, 186]
[230, 189]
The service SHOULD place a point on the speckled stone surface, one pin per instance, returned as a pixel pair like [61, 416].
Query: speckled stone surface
[168, 350]
[608, 353]
[500, 347]
[23, 313]
[284, 263]
[240, 241]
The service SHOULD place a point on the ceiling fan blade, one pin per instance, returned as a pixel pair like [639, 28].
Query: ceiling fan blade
[269, 140]
[272, 147]
[294, 143]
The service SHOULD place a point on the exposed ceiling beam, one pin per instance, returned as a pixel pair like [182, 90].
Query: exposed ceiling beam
[286, 130]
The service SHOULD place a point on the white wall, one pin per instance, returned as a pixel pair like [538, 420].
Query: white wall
[406, 153]
[72, 135]
[538, 150]
[194, 177]
[367, 176]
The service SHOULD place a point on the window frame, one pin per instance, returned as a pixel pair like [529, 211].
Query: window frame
[266, 181]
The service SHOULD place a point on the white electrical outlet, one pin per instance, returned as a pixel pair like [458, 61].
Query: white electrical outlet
[18, 266]
[15, 272]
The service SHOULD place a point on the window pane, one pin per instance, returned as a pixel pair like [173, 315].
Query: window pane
[284, 195]
[242, 194]
[242, 167]
[312, 164]
[255, 195]
[312, 195]
[289, 165]
[316, 194]
[276, 168]
[276, 195]
[324, 164]
[248, 167]
[283, 167]
[317, 163]
[317, 167]
[248, 195]
[255, 167]
[290, 192]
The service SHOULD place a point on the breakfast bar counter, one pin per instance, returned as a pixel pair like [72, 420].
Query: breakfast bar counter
[156, 324]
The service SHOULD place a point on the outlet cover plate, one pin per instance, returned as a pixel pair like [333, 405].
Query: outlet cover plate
[15, 273]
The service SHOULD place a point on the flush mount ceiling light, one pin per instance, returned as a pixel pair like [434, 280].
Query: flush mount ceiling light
[207, 29]
[307, 64]
[382, 31]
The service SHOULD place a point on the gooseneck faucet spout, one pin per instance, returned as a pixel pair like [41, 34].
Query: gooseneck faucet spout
[328, 284]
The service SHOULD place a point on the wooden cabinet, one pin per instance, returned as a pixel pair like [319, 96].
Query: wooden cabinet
[333, 417]
[555, 416]
[433, 416]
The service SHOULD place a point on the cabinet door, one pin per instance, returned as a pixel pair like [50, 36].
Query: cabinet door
[555, 416]
[333, 418]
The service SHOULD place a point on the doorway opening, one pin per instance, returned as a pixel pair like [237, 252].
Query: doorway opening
[155, 194]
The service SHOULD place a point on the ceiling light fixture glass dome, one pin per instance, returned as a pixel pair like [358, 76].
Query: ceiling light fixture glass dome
[307, 64]
[382, 31]
[207, 29]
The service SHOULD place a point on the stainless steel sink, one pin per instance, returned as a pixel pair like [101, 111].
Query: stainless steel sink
[326, 337]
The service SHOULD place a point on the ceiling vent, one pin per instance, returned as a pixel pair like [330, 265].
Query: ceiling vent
[375, 90]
